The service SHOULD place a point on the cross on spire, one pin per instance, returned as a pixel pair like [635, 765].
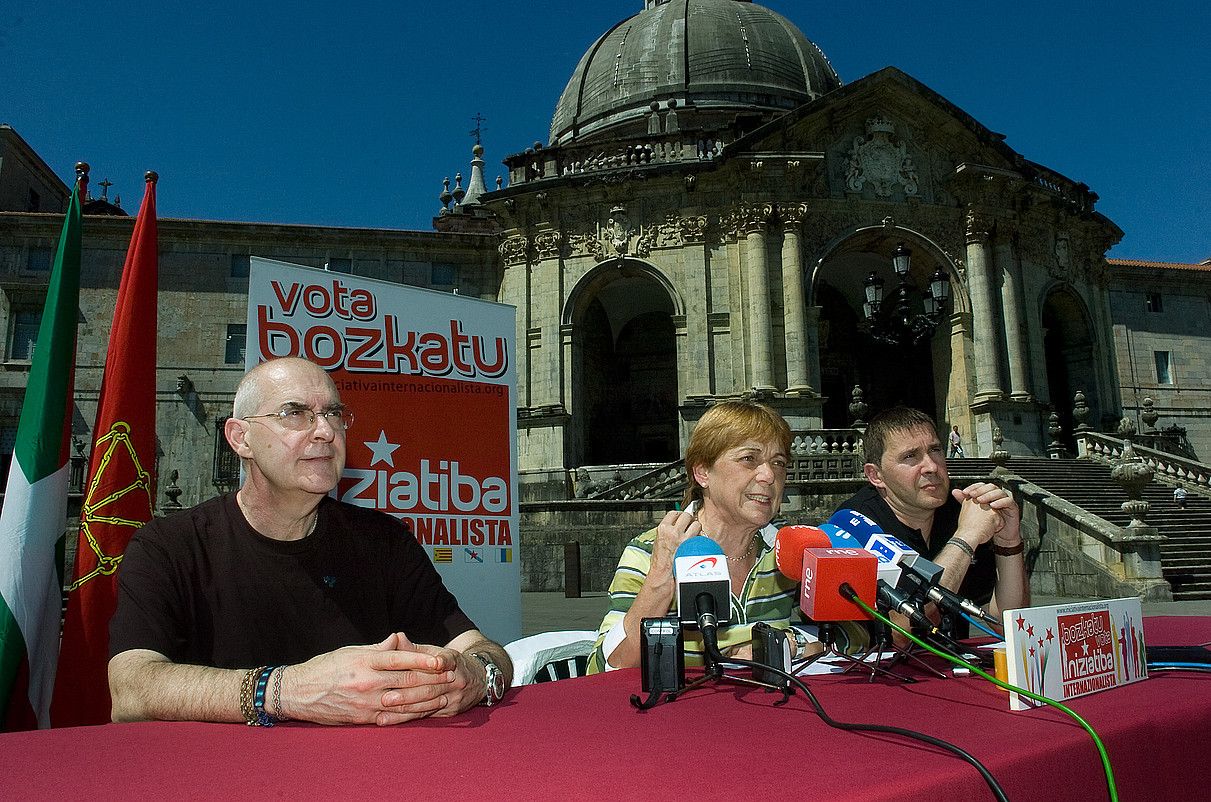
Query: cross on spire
[478, 130]
[105, 185]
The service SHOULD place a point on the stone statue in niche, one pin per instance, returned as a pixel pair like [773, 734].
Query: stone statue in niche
[881, 162]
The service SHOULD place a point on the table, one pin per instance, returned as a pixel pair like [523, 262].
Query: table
[581, 739]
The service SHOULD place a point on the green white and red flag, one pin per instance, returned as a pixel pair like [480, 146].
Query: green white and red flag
[118, 495]
[34, 515]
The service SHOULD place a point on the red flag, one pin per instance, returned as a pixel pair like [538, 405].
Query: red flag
[118, 496]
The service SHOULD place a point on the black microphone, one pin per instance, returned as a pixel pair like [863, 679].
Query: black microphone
[703, 589]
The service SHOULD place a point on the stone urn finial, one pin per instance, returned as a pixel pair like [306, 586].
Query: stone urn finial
[858, 408]
[999, 456]
[1055, 449]
[1080, 412]
[1132, 474]
[1150, 414]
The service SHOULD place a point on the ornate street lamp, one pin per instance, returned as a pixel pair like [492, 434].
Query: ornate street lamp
[909, 321]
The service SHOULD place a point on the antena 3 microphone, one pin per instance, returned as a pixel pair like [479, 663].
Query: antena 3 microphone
[700, 567]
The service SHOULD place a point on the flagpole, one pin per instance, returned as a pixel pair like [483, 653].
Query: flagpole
[33, 519]
[119, 493]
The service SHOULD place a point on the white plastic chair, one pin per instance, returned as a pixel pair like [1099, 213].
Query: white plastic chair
[550, 656]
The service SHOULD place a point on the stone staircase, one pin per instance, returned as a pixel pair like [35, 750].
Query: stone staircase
[1185, 556]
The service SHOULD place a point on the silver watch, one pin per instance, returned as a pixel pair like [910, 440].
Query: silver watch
[494, 680]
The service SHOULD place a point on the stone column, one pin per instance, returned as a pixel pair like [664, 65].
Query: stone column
[793, 310]
[812, 324]
[545, 301]
[760, 330]
[984, 310]
[1015, 319]
[694, 348]
[513, 250]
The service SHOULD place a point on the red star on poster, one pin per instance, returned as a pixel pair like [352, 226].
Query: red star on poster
[1032, 651]
[1050, 637]
[1040, 643]
[1021, 622]
[1030, 630]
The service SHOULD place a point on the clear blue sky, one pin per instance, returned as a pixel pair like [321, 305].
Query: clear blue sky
[352, 113]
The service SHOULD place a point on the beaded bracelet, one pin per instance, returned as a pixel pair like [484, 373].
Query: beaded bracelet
[248, 694]
[964, 547]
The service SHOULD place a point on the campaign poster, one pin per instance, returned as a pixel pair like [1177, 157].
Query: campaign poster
[430, 379]
[1068, 650]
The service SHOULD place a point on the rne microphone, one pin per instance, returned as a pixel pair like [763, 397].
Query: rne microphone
[825, 572]
[789, 545]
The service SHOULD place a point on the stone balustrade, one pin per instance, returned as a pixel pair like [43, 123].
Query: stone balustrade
[1167, 468]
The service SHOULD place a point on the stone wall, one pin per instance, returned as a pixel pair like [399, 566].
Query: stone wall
[603, 528]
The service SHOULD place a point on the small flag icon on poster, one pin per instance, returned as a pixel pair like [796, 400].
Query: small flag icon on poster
[441, 555]
[504, 555]
[473, 555]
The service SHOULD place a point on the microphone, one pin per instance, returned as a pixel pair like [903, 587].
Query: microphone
[789, 545]
[914, 573]
[825, 571]
[704, 589]
[822, 558]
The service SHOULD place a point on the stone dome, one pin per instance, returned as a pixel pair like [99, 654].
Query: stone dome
[709, 56]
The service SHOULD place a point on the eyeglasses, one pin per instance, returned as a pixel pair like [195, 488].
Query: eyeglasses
[302, 419]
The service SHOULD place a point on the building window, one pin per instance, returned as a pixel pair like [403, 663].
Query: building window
[339, 264]
[442, 275]
[237, 341]
[39, 260]
[35, 201]
[239, 265]
[1154, 302]
[25, 334]
[1164, 367]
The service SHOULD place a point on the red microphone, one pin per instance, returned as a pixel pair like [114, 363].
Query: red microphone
[789, 546]
[806, 555]
[825, 571]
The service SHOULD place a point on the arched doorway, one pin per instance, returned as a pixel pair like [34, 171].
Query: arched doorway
[889, 375]
[1068, 348]
[624, 368]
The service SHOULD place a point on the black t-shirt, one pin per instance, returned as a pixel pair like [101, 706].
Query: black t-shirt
[204, 588]
[981, 576]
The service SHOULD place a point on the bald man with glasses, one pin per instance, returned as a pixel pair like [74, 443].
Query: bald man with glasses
[278, 602]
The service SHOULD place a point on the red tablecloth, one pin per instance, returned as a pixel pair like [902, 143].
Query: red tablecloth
[582, 739]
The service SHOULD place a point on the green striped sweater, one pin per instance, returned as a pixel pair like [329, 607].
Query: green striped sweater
[767, 596]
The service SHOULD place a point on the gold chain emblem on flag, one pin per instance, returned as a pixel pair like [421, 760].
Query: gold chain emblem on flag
[93, 513]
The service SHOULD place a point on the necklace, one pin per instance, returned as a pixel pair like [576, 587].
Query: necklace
[745, 554]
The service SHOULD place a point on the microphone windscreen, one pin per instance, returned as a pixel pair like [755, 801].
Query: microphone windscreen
[840, 538]
[789, 546]
[697, 546]
[858, 524]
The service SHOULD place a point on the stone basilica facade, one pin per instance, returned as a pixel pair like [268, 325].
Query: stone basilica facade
[704, 218]
[700, 225]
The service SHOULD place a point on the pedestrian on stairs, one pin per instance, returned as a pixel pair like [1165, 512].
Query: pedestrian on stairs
[1179, 496]
[956, 443]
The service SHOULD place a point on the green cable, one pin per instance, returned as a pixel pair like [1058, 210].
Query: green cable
[1101, 748]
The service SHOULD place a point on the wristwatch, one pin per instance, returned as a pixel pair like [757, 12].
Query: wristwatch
[494, 680]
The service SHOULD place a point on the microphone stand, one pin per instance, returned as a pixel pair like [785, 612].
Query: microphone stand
[713, 660]
[827, 634]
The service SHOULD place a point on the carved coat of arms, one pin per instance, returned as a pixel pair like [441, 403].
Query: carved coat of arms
[877, 160]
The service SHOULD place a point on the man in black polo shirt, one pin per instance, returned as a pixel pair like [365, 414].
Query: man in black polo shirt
[974, 534]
